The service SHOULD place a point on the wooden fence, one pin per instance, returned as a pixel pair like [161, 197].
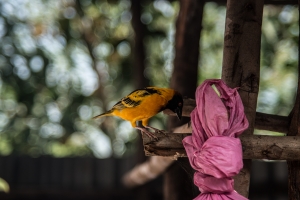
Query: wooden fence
[87, 178]
[47, 177]
[241, 68]
[77, 178]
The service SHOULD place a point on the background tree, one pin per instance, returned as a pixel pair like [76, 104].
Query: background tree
[62, 62]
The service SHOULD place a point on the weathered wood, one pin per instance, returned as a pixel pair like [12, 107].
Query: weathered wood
[263, 121]
[178, 184]
[241, 65]
[273, 2]
[241, 57]
[254, 146]
[294, 129]
[270, 122]
[281, 2]
[166, 145]
[139, 55]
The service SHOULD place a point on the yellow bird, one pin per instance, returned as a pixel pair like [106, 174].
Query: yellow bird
[142, 104]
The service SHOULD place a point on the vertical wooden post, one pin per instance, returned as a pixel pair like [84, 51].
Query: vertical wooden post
[241, 64]
[294, 166]
[177, 184]
[139, 55]
[188, 27]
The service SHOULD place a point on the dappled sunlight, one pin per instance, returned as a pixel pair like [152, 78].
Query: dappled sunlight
[63, 62]
[279, 58]
[4, 186]
[51, 130]
[98, 141]
[125, 132]
[212, 41]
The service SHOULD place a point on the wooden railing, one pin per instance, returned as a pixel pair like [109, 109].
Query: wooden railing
[241, 69]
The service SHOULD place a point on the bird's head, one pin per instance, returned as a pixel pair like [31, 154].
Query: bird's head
[176, 104]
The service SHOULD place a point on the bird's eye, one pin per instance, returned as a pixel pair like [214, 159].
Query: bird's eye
[180, 104]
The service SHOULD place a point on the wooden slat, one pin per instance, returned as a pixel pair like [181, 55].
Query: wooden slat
[84, 180]
[68, 166]
[271, 122]
[272, 2]
[110, 178]
[263, 121]
[55, 171]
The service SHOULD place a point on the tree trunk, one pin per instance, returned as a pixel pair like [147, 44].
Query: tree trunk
[179, 185]
[140, 81]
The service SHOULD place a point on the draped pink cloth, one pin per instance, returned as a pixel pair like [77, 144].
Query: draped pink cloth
[214, 150]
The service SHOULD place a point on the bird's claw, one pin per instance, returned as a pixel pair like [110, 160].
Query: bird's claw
[157, 130]
[148, 133]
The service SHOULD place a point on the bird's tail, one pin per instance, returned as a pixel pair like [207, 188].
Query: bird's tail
[108, 113]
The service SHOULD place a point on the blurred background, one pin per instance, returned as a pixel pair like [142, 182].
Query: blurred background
[63, 62]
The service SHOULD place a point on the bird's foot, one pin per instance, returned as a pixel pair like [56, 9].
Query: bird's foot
[148, 133]
[157, 130]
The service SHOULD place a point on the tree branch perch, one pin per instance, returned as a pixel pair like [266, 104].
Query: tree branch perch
[254, 146]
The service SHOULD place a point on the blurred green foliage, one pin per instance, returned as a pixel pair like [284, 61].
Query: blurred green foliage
[279, 61]
[62, 62]
[4, 187]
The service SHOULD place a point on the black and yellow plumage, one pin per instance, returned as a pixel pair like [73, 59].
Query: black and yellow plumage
[142, 104]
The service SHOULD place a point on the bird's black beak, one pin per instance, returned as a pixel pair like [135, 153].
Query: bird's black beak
[178, 112]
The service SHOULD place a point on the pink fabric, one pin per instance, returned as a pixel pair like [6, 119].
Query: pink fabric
[214, 150]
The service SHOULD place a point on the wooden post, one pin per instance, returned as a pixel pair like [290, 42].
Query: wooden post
[139, 55]
[241, 63]
[294, 166]
[140, 81]
[177, 183]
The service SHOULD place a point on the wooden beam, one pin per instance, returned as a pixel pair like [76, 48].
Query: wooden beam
[270, 122]
[263, 121]
[177, 183]
[272, 2]
[294, 130]
[254, 146]
[281, 2]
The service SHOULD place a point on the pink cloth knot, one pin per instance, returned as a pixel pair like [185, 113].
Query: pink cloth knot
[214, 150]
